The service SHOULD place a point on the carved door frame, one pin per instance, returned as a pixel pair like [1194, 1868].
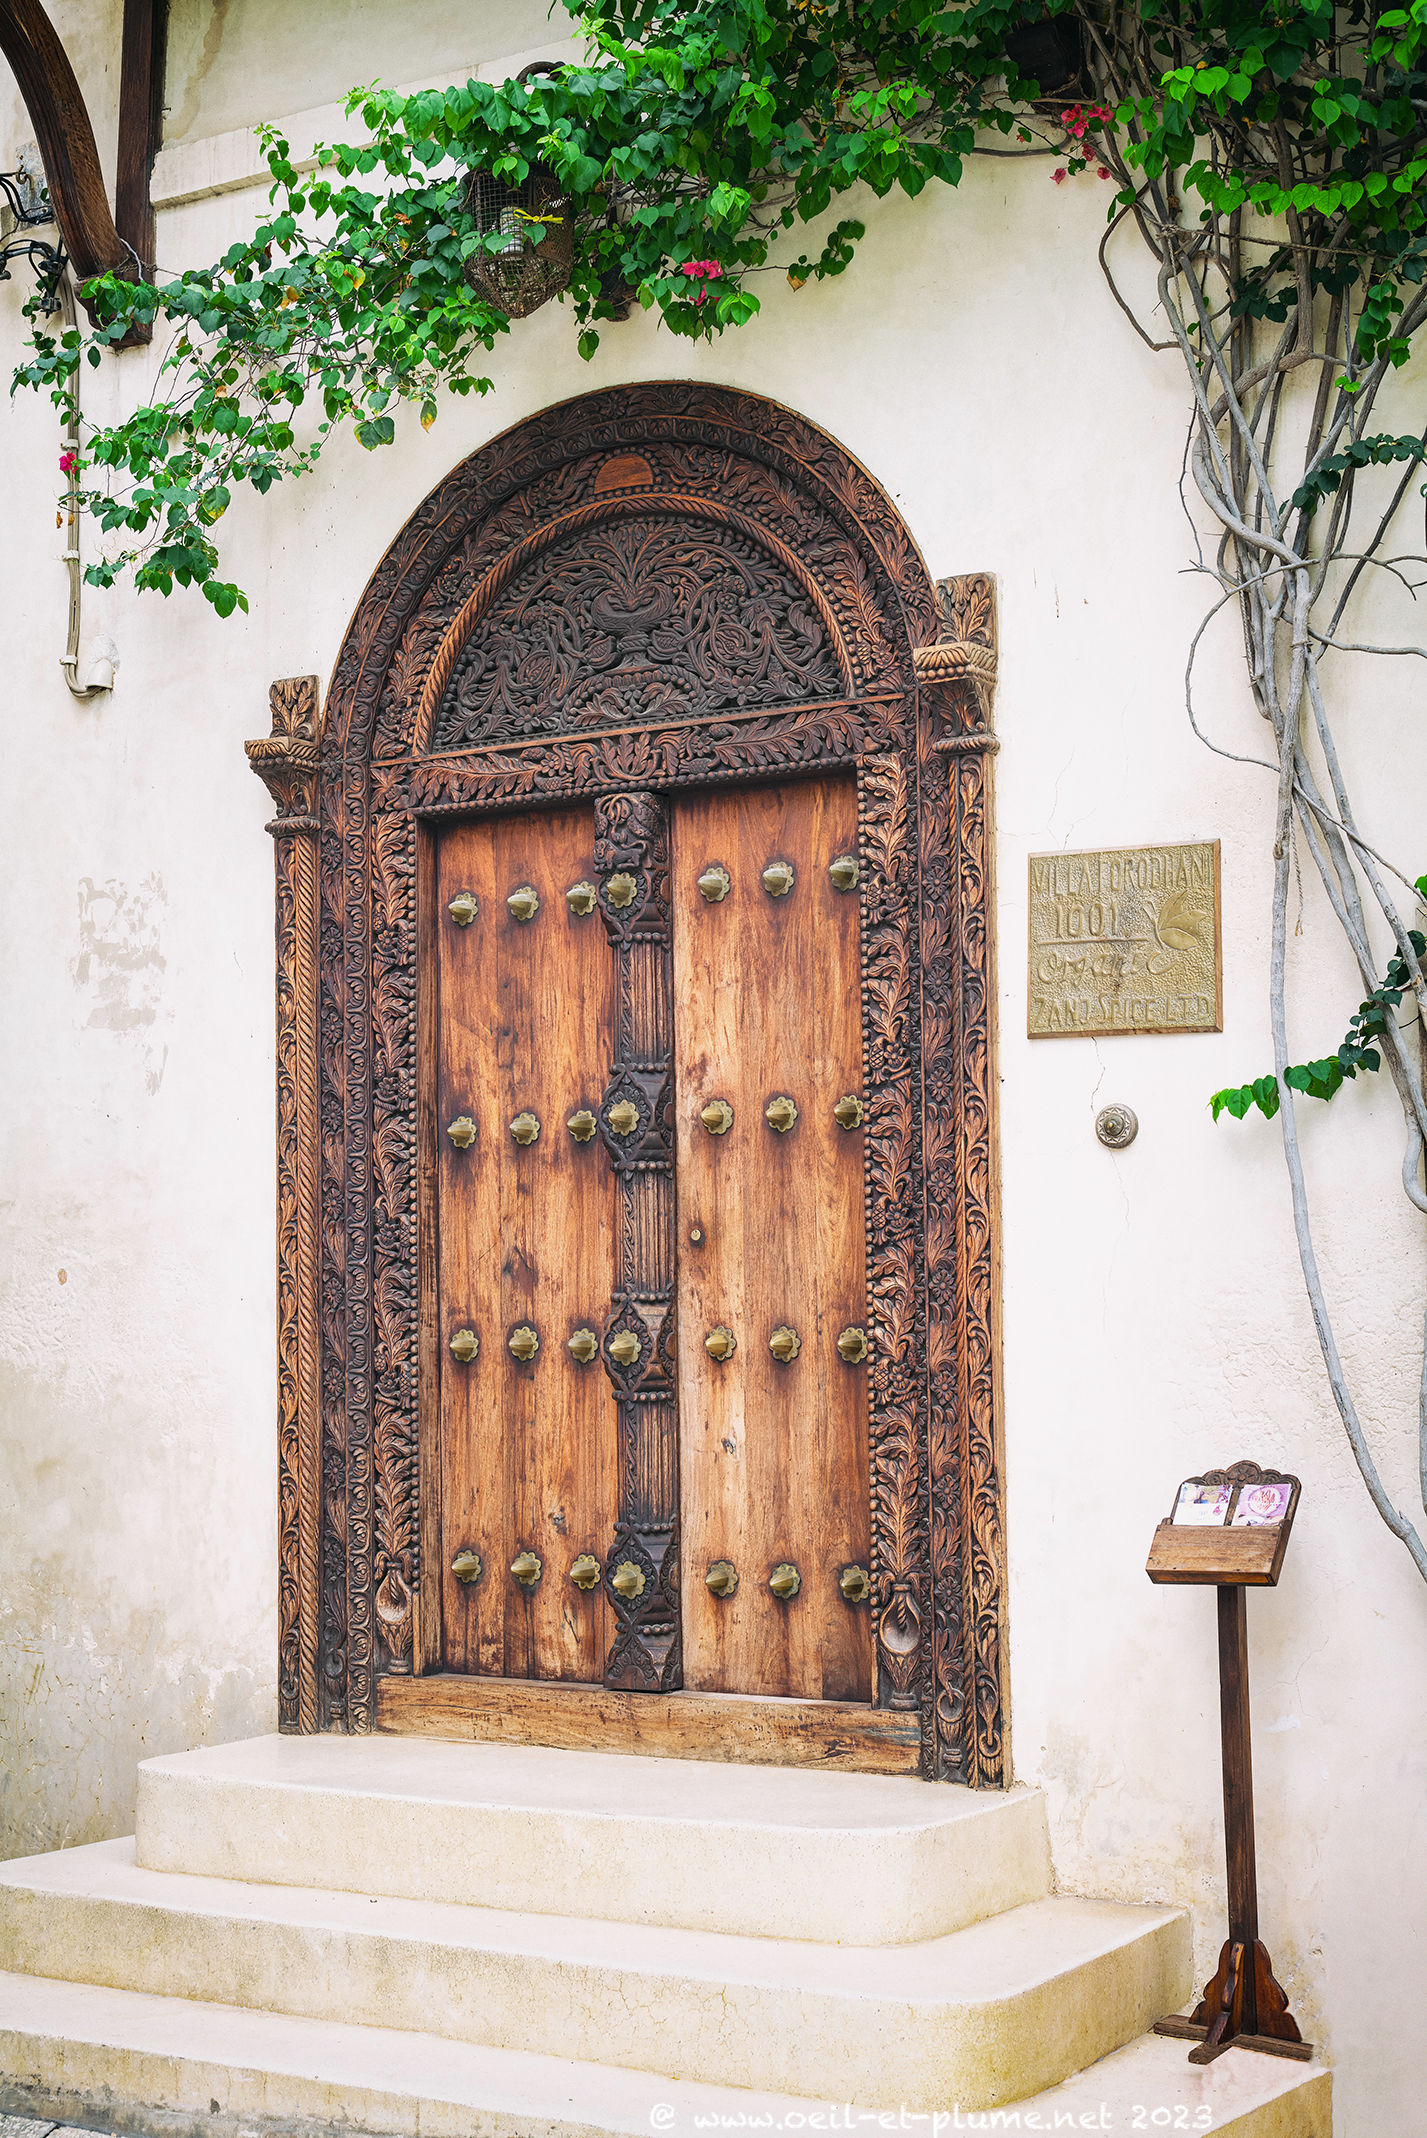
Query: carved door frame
[358, 792]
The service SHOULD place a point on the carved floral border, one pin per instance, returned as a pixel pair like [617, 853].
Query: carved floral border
[923, 766]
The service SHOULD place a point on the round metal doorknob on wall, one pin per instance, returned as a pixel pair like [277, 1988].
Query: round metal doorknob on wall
[1117, 1126]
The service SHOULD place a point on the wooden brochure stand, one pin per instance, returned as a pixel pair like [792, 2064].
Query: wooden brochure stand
[1231, 1527]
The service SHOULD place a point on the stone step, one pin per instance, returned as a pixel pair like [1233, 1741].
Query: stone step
[175, 2068]
[755, 1851]
[987, 2014]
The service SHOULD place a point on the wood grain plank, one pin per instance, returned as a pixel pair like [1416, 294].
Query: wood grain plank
[529, 1452]
[706, 1726]
[774, 1457]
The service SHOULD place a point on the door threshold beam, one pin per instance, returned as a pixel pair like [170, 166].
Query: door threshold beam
[833, 1734]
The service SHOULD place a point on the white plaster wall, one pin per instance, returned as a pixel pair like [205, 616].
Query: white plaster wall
[1154, 1319]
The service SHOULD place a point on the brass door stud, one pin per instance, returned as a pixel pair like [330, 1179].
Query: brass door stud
[855, 1584]
[852, 1346]
[715, 884]
[466, 1566]
[462, 1132]
[848, 1111]
[585, 1573]
[785, 1581]
[780, 1113]
[464, 1345]
[779, 878]
[717, 1117]
[463, 908]
[583, 1346]
[785, 1344]
[628, 1580]
[720, 1343]
[580, 898]
[526, 1129]
[527, 1568]
[722, 1578]
[844, 872]
[524, 1343]
[524, 904]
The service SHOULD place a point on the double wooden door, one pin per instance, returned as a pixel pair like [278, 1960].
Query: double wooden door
[650, 1260]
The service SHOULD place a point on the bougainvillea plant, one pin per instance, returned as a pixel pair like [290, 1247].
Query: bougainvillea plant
[1270, 154]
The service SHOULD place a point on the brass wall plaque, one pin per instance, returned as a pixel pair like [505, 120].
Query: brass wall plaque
[1124, 941]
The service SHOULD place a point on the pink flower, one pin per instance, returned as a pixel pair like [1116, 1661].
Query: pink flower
[1058, 178]
[68, 462]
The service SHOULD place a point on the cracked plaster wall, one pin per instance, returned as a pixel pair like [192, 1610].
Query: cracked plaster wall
[1154, 1321]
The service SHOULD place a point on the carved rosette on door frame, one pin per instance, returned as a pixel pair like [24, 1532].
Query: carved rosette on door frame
[640, 594]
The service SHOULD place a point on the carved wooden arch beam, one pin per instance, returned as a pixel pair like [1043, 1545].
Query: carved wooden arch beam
[58, 113]
[625, 505]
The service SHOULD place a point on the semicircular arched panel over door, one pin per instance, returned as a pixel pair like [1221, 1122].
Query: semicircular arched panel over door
[652, 788]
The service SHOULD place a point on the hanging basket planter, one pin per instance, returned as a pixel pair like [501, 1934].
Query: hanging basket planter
[535, 229]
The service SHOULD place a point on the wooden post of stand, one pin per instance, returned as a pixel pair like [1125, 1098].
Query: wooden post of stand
[1242, 2004]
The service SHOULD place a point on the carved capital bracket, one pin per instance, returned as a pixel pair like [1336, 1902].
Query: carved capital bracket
[286, 760]
[964, 651]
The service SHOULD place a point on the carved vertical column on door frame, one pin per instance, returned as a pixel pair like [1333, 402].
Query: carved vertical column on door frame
[956, 750]
[637, 1127]
[286, 761]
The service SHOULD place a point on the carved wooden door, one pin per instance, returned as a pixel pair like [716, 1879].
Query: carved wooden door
[657, 633]
[768, 1069]
[654, 1429]
[526, 1244]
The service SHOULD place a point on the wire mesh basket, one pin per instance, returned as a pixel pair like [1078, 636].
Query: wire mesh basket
[536, 251]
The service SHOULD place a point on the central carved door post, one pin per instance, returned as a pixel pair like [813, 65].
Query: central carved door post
[637, 1126]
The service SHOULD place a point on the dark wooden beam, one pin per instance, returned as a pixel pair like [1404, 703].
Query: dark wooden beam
[66, 138]
[141, 92]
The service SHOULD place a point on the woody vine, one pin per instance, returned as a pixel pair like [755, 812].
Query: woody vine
[1271, 155]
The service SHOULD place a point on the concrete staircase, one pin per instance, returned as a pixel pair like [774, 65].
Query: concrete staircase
[399, 1936]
